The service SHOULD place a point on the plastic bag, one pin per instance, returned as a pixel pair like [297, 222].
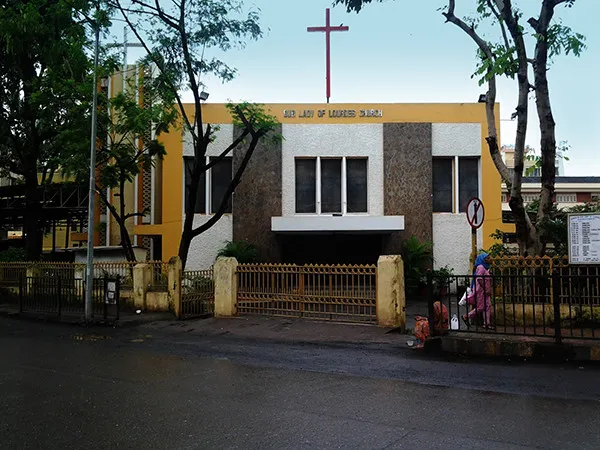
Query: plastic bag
[421, 330]
[463, 299]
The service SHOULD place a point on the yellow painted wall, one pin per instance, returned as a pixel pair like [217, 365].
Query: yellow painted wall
[172, 186]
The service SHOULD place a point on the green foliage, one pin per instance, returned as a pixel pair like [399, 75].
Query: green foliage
[417, 257]
[46, 83]
[254, 114]
[183, 35]
[443, 275]
[13, 254]
[499, 249]
[562, 148]
[243, 251]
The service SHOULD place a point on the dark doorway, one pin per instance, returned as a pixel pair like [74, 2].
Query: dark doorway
[156, 248]
[331, 249]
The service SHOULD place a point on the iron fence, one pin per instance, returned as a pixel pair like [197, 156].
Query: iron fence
[160, 275]
[330, 292]
[197, 294]
[563, 304]
[58, 297]
[10, 273]
[122, 270]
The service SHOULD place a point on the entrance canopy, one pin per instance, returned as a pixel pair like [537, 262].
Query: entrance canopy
[337, 224]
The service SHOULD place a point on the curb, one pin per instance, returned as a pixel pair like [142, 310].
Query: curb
[78, 321]
[541, 349]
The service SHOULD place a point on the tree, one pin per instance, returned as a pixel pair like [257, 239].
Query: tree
[44, 93]
[508, 56]
[129, 129]
[176, 35]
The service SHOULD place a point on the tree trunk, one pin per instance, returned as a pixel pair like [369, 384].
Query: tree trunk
[32, 225]
[544, 110]
[123, 231]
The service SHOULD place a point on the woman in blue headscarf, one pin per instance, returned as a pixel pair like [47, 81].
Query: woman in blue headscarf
[481, 291]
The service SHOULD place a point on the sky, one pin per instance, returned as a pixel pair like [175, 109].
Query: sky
[401, 51]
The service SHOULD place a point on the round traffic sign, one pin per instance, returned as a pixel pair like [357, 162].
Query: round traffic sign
[475, 212]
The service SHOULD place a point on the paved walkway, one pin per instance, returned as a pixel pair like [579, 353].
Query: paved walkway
[283, 329]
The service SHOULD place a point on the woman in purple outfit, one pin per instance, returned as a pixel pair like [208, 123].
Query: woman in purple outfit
[481, 292]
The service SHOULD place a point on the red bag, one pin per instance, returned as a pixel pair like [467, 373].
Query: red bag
[421, 330]
[440, 317]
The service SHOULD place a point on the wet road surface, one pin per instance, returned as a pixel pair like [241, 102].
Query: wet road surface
[70, 387]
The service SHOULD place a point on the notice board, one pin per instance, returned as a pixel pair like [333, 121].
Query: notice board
[584, 238]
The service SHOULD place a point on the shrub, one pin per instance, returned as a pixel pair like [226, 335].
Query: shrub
[417, 257]
[243, 251]
[13, 254]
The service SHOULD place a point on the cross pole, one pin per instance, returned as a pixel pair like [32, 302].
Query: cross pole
[327, 29]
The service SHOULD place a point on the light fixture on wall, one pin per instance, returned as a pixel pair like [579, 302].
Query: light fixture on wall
[203, 96]
[482, 98]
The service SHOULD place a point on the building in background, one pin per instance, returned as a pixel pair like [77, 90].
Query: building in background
[508, 155]
[347, 183]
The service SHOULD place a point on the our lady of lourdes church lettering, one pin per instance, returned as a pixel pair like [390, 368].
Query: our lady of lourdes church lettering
[331, 113]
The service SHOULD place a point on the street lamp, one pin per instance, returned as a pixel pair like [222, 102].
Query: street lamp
[92, 192]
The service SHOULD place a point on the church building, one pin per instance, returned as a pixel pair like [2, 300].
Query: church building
[347, 183]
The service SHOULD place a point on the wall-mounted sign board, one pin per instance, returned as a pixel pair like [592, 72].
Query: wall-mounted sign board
[584, 238]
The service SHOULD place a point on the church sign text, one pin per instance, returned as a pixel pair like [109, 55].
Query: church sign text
[331, 113]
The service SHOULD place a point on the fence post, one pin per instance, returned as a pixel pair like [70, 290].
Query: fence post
[556, 304]
[118, 294]
[175, 275]
[142, 278]
[391, 300]
[225, 277]
[430, 302]
[21, 293]
[59, 294]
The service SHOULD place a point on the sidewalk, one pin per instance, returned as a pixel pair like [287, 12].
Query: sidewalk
[284, 329]
[126, 318]
[520, 347]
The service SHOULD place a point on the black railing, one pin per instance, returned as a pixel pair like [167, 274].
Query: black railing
[60, 297]
[561, 305]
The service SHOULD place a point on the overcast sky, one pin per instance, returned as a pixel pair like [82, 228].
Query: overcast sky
[401, 51]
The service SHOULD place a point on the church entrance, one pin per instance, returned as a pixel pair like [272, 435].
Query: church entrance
[331, 248]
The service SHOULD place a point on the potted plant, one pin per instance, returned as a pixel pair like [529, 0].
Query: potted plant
[442, 278]
[417, 257]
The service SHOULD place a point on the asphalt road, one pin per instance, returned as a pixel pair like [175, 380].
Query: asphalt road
[68, 387]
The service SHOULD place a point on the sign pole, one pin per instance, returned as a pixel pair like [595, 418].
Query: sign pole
[473, 245]
[475, 215]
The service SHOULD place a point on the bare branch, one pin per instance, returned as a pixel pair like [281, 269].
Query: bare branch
[228, 150]
[501, 22]
[160, 65]
[234, 183]
[492, 138]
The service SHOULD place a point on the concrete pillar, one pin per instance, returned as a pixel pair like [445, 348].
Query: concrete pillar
[175, 273]
[142, 280]
[225, 287]
[391, 300]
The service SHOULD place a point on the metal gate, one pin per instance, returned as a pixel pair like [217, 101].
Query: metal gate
[197, 294]
[58, 296]
[345, 293]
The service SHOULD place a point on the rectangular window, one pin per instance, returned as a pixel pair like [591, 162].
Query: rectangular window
[331, 185]
[306, 182]
[200, 207]
[335, 195]
[566, 198]
[442, 185]
[220, 177]
[468, 181]
[356, 185]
